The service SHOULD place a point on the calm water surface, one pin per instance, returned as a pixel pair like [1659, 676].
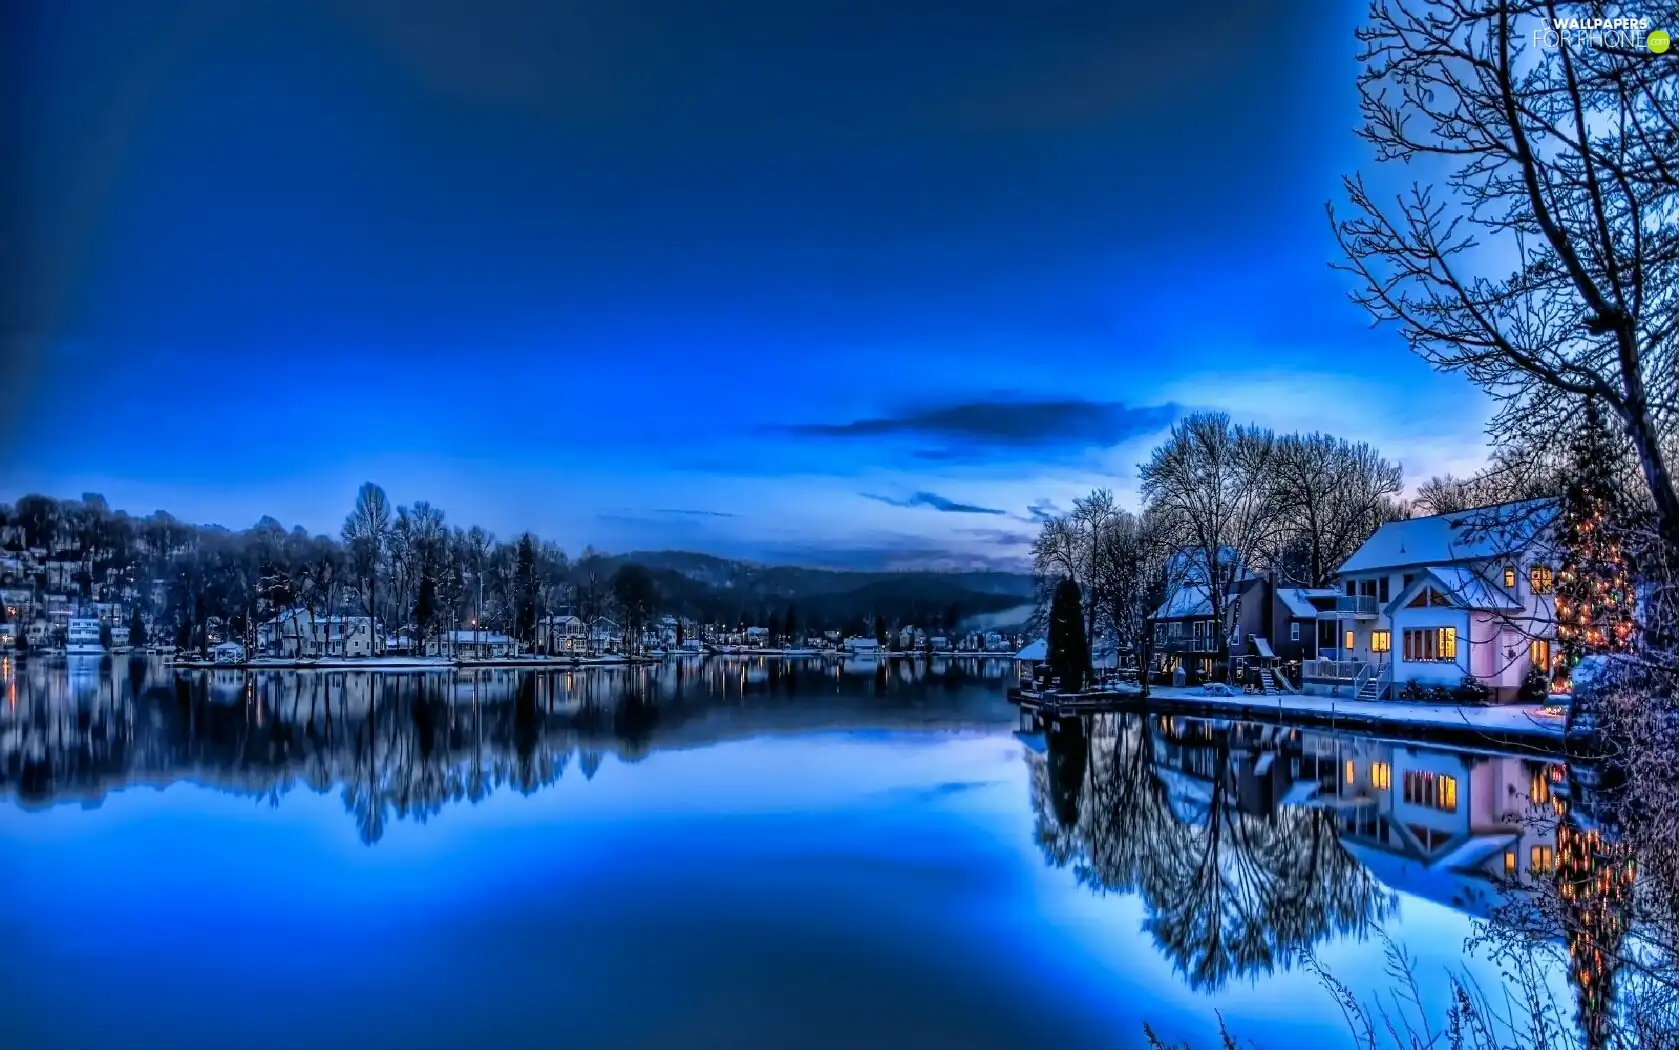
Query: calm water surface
[732, 854]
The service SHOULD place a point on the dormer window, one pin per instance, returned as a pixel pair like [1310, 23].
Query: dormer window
[1540, 579]
[1510, 576]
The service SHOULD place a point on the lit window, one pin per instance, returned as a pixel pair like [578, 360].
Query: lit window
[1348, 775]
[1294, 632]
[1540, 653]
[1539, 860]
[1510, 575]
[1539, 789]
[1448, 792]
[1380, 774]
[1510, 862]
[1430, 645]
[1540, 579]
[1347, 640]
[1381, 641]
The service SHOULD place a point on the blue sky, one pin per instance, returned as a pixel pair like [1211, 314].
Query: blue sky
[837, 283]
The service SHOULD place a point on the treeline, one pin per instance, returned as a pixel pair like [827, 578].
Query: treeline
[409, 567]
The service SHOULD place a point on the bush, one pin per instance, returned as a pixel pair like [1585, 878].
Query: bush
[1220, 671]
[1471, 690]
[1535, 686]
[1413, 690]
[1440, 694]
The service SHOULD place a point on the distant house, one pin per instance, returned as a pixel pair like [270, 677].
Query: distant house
[939, 643]
[605, 636]
[8, 635]
[759, 637]
[862, 646]
[472, 644]
[228, 653]
[299, 633]
[562, 635]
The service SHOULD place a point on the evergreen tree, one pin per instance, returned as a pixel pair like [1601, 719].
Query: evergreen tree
[525, 585]
[881, 631]
[1594, 595]
[1070, 653]
[104, 633]
[136, 629]
[790, 624]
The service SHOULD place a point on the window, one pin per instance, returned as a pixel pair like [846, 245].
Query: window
[1510, 575]
[1539, 860]
[1381, 641]
[1160, 633]
[1351, 589]
[1347, 640]
[1540, 579]
[1406, 579]
[1540, 653]
[1430, 645]
[1380, 775]
[1382, 590]
[1348, 772]
[1539, 789]
[1294, 632]
[1510, 862]
[1436, 791]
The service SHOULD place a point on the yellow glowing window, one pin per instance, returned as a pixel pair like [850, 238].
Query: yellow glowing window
[1449, 794]
[1381, 641]
[1510, 575]
[1348, 774]
[1539, 860]
[1347, 640]
[1510, 862]
[1540, 579]
[1540, 653]
[1539, 791]
[1380, 775]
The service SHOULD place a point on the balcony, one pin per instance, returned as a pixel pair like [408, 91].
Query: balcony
[1351, 607]
[1335, 670]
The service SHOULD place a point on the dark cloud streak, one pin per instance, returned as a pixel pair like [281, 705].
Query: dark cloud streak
[933, 501]
[1013, 424]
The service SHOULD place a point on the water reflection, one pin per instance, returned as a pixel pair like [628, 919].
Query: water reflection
[405, 746]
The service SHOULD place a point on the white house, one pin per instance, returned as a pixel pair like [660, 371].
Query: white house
[562, 635]
[1433, 600]
[298, 632]
[472, 643]
[605, 636]
[862, 646]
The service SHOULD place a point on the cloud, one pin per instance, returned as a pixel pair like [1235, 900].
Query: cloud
[1006, 537]
[684, 512]
[934, 501]
[1005, 424]
[1039, 512]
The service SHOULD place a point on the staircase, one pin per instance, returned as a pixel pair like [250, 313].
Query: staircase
[1268, 681]
[1370, 689]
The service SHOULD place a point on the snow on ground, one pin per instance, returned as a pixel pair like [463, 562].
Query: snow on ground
[1538, 719]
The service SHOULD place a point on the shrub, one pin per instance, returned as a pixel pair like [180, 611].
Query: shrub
[1413, 690]
[1440, 694]
[1535, 686]
[1471, 690]
[1220, 671]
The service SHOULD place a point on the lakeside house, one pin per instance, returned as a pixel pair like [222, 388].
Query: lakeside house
[605, 635]
[562, 635]
[862, 647]
[299, 633]
[1443, 599]
[471, 643]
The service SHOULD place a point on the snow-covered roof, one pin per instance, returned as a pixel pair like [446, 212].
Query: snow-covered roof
[470, 637]
[1442, 539]
[1459, 583]
[1474, 851]
[1039, 650]
[1191, 599]
[1298, 600]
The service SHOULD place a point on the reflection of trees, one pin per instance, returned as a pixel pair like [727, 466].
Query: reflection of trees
[1227, 892]
[405, 746]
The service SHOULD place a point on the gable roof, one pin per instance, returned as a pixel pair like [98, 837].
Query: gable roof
[1458, 583]
[1442, 539]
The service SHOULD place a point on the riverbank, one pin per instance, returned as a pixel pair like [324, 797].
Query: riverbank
[1514, 724]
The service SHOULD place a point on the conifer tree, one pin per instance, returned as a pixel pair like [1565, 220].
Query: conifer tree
[1594, 594]
[1070, 653]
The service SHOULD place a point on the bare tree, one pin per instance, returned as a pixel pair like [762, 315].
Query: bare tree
[1562, 154]
[1210, 486]
[1331, 496]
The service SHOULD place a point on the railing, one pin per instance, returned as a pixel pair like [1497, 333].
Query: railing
[1334, 670]
[1361, 678]
[1351, 605]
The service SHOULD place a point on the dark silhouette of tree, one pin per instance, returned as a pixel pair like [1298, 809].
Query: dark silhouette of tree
[1069, 653]
[636, 597]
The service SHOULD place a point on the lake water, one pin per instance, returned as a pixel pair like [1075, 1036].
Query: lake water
[740, 853]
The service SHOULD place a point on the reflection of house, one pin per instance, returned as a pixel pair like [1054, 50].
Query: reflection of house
[298, 632]
[1436, 599]
[1446, 824]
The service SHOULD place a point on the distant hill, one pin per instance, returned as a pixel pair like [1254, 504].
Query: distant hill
[710, 587]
